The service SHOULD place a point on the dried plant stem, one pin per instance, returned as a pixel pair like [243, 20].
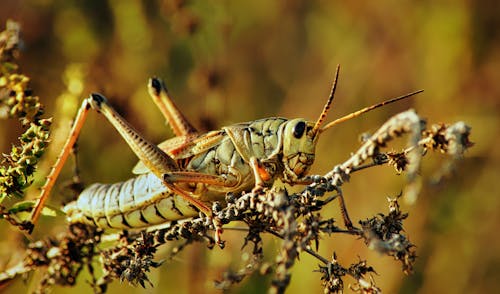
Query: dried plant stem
[295, 219]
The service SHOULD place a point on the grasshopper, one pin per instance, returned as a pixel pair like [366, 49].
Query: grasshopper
[182, 176]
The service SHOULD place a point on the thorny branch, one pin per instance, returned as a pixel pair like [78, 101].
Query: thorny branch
[295, 218]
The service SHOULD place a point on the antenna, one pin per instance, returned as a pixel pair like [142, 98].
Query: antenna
[328, 103]
[366, 109]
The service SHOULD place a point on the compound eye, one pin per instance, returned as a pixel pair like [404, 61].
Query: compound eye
[298, 129]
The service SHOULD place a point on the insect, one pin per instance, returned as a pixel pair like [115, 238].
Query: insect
[181, 176]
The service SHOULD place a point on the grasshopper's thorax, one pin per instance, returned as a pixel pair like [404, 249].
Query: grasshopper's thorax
[299, 144]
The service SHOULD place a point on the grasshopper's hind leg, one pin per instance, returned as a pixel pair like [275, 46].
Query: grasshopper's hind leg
[179, 123]
[61, 159]
[151, 156]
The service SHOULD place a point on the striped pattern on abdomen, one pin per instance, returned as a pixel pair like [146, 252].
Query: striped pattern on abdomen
[138, 202]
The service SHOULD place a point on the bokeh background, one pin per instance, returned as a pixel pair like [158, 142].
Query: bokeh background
[232, 61]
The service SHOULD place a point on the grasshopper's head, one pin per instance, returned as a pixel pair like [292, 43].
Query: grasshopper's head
[300, 136]
[299, 144]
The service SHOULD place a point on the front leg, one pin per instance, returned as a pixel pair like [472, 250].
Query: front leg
[260, 174]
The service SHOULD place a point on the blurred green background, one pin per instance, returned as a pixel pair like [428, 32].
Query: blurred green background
[233, 61]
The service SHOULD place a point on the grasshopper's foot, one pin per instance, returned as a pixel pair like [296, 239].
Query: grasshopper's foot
[218, 232]
[258, 189]
[27, 226]
[218, 240]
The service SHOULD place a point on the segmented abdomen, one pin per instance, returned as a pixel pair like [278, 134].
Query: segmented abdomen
[139, 202]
